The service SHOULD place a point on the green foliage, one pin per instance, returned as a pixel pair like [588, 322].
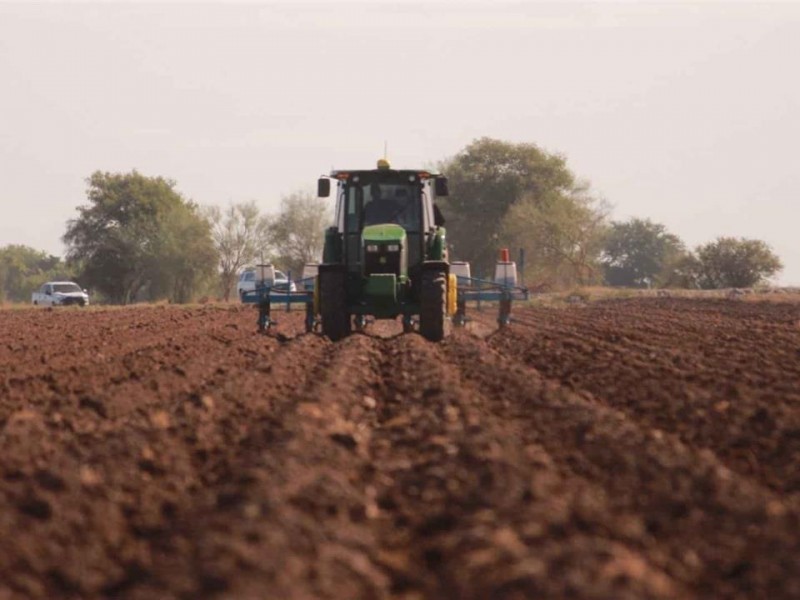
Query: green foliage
[186, 255]
[562, 236]
[241, 236]
[139, 239]
[490, 177]
[24, 269]
[680, 271]
[641, 253]
[734, 262]
[298, 231]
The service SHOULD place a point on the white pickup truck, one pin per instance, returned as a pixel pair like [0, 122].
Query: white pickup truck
[60, 293]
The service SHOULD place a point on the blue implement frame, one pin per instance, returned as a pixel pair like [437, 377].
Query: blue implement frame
[265, 296]
[471, 289]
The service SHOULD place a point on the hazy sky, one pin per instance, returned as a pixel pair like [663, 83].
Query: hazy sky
[688, 114]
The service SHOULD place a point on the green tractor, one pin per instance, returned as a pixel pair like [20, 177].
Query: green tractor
[386, 254]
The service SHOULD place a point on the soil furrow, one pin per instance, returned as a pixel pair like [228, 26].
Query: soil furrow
[678, 493]
[684, 392]
[467, 501]
[634, 449]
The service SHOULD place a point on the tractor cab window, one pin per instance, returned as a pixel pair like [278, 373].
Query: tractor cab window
[384, 203]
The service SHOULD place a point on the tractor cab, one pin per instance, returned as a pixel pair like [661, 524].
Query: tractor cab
[387, 233]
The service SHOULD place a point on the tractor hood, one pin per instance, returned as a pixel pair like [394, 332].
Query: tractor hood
[388, 232]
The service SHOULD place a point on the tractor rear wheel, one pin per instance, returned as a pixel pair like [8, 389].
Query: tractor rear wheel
[333, 305]
[433, 301]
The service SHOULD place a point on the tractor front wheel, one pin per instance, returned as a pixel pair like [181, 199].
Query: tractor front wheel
[333, 305]
[433, 301]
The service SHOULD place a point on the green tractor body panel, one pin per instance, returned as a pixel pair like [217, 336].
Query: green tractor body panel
[385, 251]
[385, 233]
[382, 287]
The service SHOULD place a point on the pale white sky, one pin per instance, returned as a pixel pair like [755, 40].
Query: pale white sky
[688, 114]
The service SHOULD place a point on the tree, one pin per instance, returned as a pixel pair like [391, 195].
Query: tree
[640, 253]
[139, 237]
[734, 262]
[489, 177]
[23, 269]
[298, 231]
[241, 236]
[562, 236]
[186, 255]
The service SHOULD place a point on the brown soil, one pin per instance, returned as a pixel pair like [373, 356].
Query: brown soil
[644, 448]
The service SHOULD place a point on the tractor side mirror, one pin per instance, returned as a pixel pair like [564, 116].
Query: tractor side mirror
[323, 187]
[441, 187]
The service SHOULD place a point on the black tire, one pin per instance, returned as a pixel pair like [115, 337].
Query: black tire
[433, 301]
[333, 305]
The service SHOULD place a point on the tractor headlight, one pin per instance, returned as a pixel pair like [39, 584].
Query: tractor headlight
[372, 247]
[393, 248]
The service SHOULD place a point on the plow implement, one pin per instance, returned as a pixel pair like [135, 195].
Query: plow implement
[501, 291]
[266, 298]
[266, 295]
[480, 292]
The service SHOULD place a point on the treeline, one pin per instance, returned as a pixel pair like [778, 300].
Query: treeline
[243, 236]
[505, 195]
[138, 239]
[24, 269]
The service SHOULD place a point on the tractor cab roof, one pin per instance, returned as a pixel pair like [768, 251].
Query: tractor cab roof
[383, 168]
[346, 174]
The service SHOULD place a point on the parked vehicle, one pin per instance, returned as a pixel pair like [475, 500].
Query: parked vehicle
[60, 293]
[247, 282]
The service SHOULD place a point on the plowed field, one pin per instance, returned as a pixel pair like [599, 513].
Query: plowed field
[642, 448]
